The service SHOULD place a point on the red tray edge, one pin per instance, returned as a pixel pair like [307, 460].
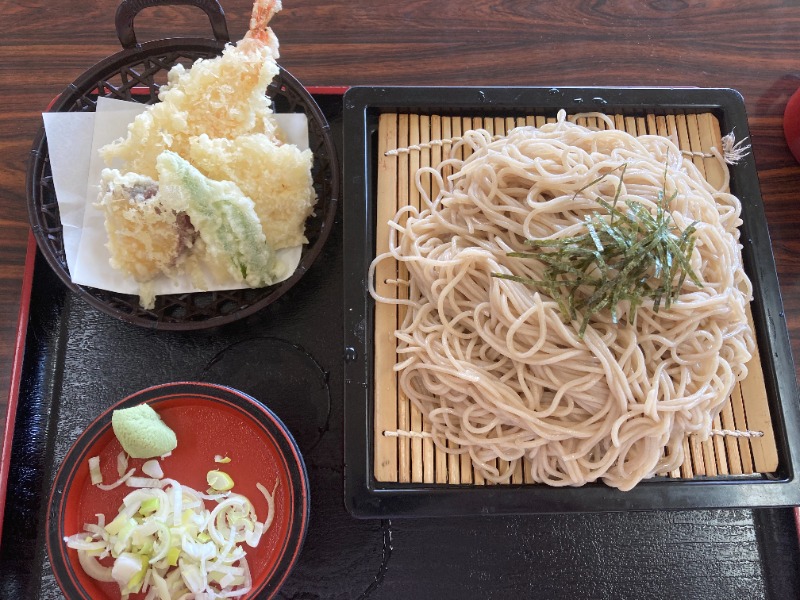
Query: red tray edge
[16, 372]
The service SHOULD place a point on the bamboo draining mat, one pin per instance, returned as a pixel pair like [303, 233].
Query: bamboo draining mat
[402, 452]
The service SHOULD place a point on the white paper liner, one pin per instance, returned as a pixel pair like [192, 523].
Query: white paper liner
[73, 140]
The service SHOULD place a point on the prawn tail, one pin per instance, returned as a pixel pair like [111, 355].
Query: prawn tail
[263, 11]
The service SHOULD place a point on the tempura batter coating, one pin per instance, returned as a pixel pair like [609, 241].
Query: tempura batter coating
[145, 238]
[221, 97]
[276, 177]
[224, 217]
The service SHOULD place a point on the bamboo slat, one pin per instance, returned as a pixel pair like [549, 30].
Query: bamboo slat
[385, 315]
[428, 464]
[449, 127]
[411, 456]
[403, 403]
[702, 451]
[756, 407]
[413, 200]
[740, 421]
[440, 467]
[460, 126]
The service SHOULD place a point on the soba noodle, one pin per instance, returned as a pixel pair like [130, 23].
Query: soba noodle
[491, 363]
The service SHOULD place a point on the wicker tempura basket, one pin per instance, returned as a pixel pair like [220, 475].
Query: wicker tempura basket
[135, 74]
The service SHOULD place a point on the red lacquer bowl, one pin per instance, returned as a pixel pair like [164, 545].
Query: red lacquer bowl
[208, 420]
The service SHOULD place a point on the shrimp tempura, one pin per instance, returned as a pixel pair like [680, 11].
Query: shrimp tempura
[221, 97]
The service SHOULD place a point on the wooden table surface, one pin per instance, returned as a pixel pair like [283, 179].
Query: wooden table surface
[751, 46]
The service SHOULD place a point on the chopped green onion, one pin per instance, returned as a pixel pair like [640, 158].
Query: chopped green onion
[219, 481]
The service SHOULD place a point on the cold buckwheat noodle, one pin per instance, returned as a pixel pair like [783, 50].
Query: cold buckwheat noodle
[491, 363]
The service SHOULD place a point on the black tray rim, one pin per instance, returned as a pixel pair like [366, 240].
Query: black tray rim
[364, 497]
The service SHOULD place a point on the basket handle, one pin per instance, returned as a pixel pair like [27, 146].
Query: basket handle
[128, 9]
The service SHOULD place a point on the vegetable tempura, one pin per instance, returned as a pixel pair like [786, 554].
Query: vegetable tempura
[250, 160]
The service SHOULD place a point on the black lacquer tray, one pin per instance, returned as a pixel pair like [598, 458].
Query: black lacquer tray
[76, 361]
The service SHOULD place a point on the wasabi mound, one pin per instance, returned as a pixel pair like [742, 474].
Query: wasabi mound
[142, 433]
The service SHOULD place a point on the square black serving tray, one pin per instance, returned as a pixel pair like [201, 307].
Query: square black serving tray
[367, 497]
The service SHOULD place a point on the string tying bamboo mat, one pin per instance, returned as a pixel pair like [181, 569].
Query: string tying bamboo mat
[743, 442]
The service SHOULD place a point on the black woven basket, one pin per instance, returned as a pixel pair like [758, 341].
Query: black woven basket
[135, 74]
